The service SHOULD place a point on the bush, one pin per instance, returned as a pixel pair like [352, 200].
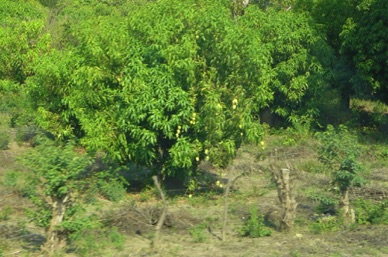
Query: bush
[254, 226]
[4, 139]
[368, 212]
[112, 185]
[26, 134]
[326, 223]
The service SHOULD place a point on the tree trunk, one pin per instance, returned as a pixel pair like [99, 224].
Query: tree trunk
[54, 240]
[347, 212]
[225, 216]
[159, 225]
[287, 200]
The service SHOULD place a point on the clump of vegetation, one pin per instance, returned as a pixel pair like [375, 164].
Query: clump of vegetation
[199, 233]
[27, 134]
[255, 225]
[339, 151]
[369, 212]
[111, 185]
[4, 139]
[326, 223]
[60, 178]
[94, 242]
[5, 213]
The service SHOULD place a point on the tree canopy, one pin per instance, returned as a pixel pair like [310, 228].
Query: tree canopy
[169, 83]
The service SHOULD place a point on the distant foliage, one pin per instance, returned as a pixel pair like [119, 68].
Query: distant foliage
[369, 53]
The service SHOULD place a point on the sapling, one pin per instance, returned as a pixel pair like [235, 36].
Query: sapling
[339, 151]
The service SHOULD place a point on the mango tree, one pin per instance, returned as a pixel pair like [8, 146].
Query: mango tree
[166, 87]
[167, 84]
[21, 40]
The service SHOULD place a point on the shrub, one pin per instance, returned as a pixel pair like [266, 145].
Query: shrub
[368, 212]
[26, 134]
[112, 189]
[326, 223]
[254, 226]
[4, 140]
[11, 179]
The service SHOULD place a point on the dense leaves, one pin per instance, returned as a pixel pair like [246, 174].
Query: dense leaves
[369, 53]
[168, 83]
[173, 82]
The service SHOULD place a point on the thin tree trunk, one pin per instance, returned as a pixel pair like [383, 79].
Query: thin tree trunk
[54, 241]
[225, 216]
[347, 212]
[162, 216]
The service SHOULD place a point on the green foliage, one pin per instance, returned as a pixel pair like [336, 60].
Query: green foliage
[10, 179]
[26, 134]
[339, 150]
[349, 174]
[4, 139]
[336, 146]
[57, 173]
[19, 182]
[5, 213]
[93, 242]
[199, 233]
[61, 170]
[161, 95]
[176, 88]
[77, 222]
[326, 202]
[326, 223]
[254, 226]
[298, 60]
[369, 212]
[41, 214]
[111, 185]
[20, 33]
[369, 53]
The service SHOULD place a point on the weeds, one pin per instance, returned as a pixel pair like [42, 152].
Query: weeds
[94, 242]
[4, 139]
[5, 213]
[326, 223]
[254, 226]
[368, 212]
[199, 233]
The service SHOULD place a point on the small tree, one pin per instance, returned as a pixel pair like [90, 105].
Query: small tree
[59, 176]
[339, 151]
